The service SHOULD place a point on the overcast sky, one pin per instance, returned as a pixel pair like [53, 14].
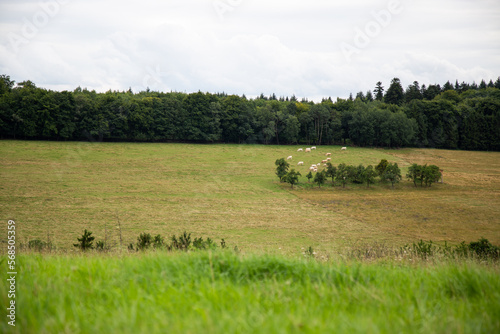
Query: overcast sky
[312, 49]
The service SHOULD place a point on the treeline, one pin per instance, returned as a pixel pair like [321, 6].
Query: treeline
[459, 116]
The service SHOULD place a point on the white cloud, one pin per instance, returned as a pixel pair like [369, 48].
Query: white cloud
[285, 47]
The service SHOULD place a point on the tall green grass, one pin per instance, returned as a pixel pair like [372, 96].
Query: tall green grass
[223, 292]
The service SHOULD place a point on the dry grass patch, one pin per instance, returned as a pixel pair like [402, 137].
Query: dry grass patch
[56, 190]
[464, 208]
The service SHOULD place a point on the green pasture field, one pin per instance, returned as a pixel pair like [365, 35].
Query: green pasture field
[55, 190]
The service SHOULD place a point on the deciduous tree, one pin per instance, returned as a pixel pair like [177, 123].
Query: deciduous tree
[342, 174]
[292, 177]
[431, 174]
[369, 175]
[309, 176]
[382, 166]
[331, 170]
[414, 173]
[320, 178]
[282, 168]
[392, 173]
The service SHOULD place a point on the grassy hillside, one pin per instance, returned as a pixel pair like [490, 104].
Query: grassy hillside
[221, 292]
[54, 190]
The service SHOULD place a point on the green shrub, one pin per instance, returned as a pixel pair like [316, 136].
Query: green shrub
[462, 250]
[86, 241]
[144, 241]
[182, 243]
[199, 243]
[423, 249]
[39, 245]
[309, 252]
[484, 249]
[100, 246]
[158, 242]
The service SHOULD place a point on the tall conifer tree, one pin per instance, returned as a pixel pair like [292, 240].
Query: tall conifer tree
[395, 93]
[379, 91]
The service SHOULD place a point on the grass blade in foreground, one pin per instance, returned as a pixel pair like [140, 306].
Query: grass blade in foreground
[220, 292]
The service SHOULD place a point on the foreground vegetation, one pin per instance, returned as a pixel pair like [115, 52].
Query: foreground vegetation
[222, 292]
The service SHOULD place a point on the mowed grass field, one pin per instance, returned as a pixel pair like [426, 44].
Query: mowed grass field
[55, 190]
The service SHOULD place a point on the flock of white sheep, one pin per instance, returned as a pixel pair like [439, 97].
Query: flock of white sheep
[315, 167]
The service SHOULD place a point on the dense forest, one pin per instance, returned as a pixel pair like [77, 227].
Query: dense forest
[454, 116]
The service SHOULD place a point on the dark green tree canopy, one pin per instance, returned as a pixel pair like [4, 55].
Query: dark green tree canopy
[5, 84]
[342, 174]
[368, 175]
[392, 173]
[459, 116]
[281, 168]
[395, 93]
[413, 92]
[292, 177]
[320, 178]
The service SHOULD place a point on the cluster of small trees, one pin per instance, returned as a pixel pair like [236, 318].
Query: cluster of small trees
[284, 174]
[424, 174]
[343, 174]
